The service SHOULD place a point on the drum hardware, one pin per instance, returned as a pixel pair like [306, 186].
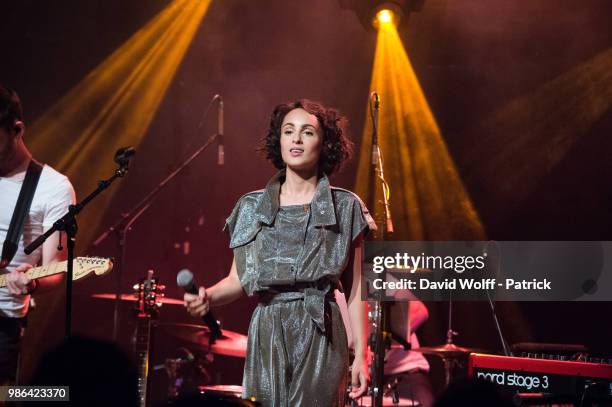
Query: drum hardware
[188, 372]
[380, 342]
[450, 353]
[185, 372]
[451, 356]
[391, 390]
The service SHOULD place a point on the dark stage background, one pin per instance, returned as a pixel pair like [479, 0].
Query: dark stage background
[472, 58]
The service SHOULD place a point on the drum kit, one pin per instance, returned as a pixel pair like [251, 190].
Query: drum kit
[186, 371]
[189, 368]
[386, 334]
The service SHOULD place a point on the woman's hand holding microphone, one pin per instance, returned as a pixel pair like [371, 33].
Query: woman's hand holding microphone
[197, 305]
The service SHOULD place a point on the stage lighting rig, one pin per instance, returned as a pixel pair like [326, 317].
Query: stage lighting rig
[374, 13]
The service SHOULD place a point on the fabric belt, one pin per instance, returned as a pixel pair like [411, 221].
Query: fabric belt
[314, 296]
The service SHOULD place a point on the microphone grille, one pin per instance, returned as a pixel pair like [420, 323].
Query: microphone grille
[184, 278]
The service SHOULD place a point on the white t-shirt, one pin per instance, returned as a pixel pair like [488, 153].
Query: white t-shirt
[53, 195]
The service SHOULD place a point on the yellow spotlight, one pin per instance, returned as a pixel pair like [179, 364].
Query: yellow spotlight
[387, 14]
[428, 199]
[111, 107]
[114, 104]
[384, 16]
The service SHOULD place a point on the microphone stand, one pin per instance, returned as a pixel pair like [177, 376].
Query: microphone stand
[492, 303]
[125, 222]
[383, 334]
[68, 224]
[377, 163]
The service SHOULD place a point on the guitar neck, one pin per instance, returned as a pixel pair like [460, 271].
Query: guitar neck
[142, 345]
[41, 271]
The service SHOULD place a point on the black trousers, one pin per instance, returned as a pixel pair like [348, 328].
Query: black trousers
[11, 331]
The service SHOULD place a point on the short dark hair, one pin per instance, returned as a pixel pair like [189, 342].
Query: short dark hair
[10, 108]
[337, 147]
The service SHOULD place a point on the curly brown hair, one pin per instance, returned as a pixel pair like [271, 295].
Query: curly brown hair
[337, 148]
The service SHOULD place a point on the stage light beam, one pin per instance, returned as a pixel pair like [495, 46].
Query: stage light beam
[428, 199]
[111, 107]
[114, 105]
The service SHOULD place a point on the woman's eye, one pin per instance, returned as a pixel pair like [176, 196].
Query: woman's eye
[309, 133]
[287, 132]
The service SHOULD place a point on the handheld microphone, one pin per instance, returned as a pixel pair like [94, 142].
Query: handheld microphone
[185, 280]
[220, 146]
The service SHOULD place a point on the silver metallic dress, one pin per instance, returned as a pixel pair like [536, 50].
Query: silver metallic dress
[292, 258]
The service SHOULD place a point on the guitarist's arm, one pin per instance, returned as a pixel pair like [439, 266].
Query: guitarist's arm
[18, 281]
[63, 197]
[50, 254]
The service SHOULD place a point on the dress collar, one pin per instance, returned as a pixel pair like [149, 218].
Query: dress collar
[322, 205]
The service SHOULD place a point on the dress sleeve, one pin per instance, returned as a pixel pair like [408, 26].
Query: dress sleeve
[242, 227]
[231, 221]
[361, 220]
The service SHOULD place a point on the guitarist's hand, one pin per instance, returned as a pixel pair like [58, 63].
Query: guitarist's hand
[18, 282]
[197, 305]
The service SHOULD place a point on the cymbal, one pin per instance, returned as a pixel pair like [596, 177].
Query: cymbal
[448, 350]
[132, 297]
[230, 344]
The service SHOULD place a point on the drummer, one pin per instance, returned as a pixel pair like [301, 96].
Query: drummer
[410, 369]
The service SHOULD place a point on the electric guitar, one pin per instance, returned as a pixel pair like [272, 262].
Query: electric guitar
[82, 267]
[148, 301]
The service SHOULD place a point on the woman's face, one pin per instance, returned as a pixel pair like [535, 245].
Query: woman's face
[301, 140]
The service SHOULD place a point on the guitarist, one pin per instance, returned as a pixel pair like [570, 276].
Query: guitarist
[53, 193]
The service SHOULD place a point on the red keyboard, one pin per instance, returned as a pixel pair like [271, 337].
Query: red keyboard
[528, 375]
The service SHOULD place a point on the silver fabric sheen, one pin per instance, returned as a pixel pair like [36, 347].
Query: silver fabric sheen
[292, 258]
